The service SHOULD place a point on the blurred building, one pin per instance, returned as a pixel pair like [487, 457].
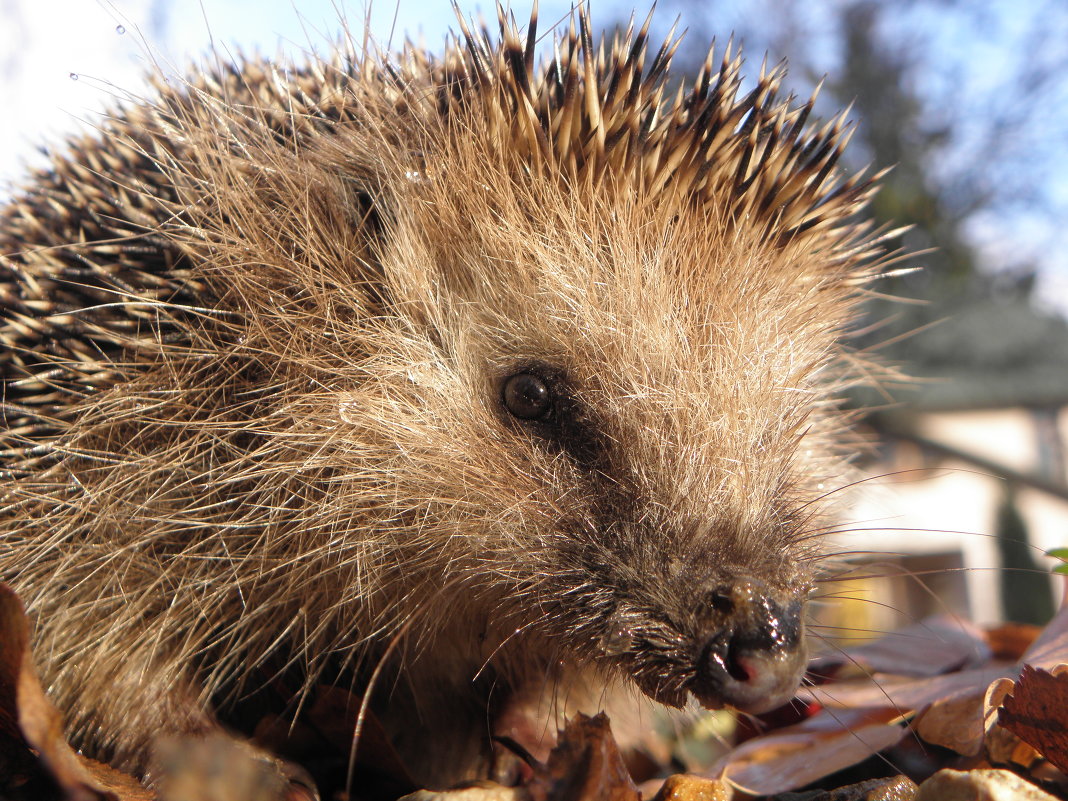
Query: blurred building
[983, 436]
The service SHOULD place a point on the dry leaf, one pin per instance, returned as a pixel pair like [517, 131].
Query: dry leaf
[584, 766]
[479, 791]
[799, 755]
[954, 709]
[993, 697]
[23, 701]
[902, 693]
[1037, 713]
[1051, 648]
[933, 646]
[125, 787]
[1010, 641]
[956, 722]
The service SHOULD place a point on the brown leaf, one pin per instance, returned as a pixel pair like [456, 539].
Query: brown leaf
[1051, 647]
[799, 755]
[909, 695]
[1010, 641]
[125, 787]
[951, 709]
[1037, 713]
[956, 722]
[902, 693]
[24, 707]
[14, 643]
[931, 647]
[584, 766]
[993, 697]
[954, 708]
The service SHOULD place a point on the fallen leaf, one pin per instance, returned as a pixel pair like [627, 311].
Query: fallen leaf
[479, 791]
[23, 702]
[15, 639]
[933, 646]
[798, 755]
[953, 710]
[956, 722]
[1051, 648]
[1010, 641]
[585, 766]
[903, 693]
[1036, 712]
[993, 697]
[126, 787]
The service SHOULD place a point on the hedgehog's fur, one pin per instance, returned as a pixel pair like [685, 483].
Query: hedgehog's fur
[254, 337]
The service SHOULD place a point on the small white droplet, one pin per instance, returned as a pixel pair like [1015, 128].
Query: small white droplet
[74, 76]
[120, 29]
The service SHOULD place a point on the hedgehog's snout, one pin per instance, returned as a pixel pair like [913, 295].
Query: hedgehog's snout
[756, 657]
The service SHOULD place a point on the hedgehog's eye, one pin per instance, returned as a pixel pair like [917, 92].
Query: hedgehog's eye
[527, 396]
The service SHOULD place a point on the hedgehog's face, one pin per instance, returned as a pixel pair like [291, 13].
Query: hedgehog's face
[641, 428]
[655, 567]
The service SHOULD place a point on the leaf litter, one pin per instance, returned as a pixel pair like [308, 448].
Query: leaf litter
[939, 710]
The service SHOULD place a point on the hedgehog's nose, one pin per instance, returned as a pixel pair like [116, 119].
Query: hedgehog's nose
[754, 661]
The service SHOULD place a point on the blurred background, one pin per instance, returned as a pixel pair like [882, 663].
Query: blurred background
[964, 487]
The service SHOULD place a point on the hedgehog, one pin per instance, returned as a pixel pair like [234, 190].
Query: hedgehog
[457, 375]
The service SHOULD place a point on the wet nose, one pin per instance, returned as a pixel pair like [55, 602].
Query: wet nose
[755, 659]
